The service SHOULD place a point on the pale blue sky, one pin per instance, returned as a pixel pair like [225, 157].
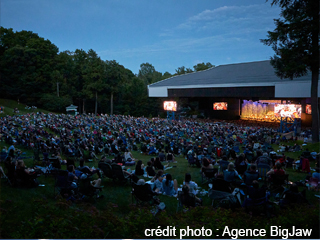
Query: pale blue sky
[166, 33]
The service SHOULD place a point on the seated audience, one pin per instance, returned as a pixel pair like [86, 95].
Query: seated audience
[139, 168]
[169, 186]
[150, 170]
[191, 184]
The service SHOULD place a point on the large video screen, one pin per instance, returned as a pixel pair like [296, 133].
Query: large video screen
[287, 110]
[170, 106]
[308, 109]
[220, 106]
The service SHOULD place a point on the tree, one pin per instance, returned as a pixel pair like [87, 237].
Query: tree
[166, 75]
[183, 70]
[26, 63]
[78, 83]
[95, 77]
[115, 77]
[295, 41]
[202, 66]
[148, 74]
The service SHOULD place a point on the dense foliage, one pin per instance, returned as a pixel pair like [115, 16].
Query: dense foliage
[64, 220]
[33, 71]
[295, 41]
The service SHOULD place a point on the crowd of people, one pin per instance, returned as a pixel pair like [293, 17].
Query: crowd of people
[208, 143]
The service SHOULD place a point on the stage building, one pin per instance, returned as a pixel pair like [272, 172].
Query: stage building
[244, 90]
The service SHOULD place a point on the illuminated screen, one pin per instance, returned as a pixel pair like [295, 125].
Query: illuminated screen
[308, 109]
[170, 106]
[287, 110]
[220, 106]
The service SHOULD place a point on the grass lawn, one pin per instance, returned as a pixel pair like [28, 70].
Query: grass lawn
[35, 213]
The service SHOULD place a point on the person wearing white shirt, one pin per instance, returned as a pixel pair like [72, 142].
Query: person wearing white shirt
[191, 184]
[128, 156]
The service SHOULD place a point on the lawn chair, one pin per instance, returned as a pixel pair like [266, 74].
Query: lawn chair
[256, 202]
[208, 174]
[216, 195]
[241, 169]
[3, 156]
[118, 173]
[277, 182]
[223, 165]
[86, 189]
[62, 186]
[221, 185]
[249, 156]
[107, 170]
[229, 176]
[186, 201]
[250, 177]
[10, 172]
[70, 162]
[263, 169]
[143, 194]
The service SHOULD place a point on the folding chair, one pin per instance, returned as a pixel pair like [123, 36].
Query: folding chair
[118, 173]
[249, 156]
[187, 201]
[216, 195]
[86, 189]
[223, 165]
[208, 174]
[277, 182]
[107, 170]
[143, 194]
[62, 185]
[241, 169]
[3, 156]
[263, 169]
[250, 177]
[255, 201]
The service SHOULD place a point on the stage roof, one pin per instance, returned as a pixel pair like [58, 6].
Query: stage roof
[242, 75]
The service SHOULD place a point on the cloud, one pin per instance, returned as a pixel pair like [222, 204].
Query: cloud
[226, 18]
[175, 45]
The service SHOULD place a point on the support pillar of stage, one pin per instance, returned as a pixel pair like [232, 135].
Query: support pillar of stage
[170, 115]
[290, 124]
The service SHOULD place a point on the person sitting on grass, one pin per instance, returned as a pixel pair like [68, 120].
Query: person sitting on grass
[170, 156]
[158, 178]
[158, 164]
[191, 184]
[185, 196]
[169, 186]
[150, 170]
[128, 156]
[162, 156]
[139, 168]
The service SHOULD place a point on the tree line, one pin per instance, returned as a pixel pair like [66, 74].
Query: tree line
[33, 71]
